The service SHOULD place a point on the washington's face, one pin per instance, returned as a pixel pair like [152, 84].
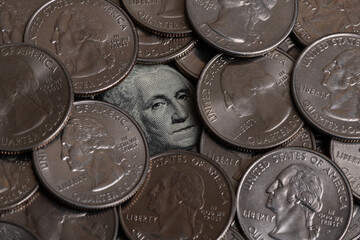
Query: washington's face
[72, 152]
[278, 192]
[65, 40]
[162, 196]
[238, 96]
[167, 110]
[334, 78]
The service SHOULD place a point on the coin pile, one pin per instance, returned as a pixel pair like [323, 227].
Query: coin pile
[171, 119]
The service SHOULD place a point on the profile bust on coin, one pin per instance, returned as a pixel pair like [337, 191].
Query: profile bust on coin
[19, 98]
[333, 16]
[295, 196]
[80, 41]
[343, 81]
[247, 14]
[247, 87]
[176, 199]
[86, 146]
[161, 101]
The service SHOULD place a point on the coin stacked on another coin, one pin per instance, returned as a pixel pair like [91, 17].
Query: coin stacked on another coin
[179, 119]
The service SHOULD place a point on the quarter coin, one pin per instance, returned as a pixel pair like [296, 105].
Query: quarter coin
[347, 157]
[154, 49]
[96, 41]
[14, 16]
[14, 231]
[163, 17]
[17, 181]
[36, 96]
[242, 28]
[294, 193]
[246, 102]
[185, 196]
[50, 220]
[99, 161]
[325, 85]
[318, 18]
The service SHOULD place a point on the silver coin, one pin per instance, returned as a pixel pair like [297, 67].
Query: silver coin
[246, 102]
[242, 27]
[353, 233]
[347, 157]
[325, 85]
[294, 193]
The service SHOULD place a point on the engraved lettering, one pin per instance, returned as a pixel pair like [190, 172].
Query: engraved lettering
[71, 182]
[243, 128]
[254, 174]
[141, 218]
[347, 157]
[145, 2]
[313, 91]
[43, 162]
[258, 216]
[352, 180]
[255, 233]
[286, 156]
[314, 53]
[339, 185]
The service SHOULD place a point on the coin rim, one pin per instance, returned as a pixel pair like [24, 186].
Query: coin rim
[187, 153]
[268, 154]
[57, 131]
[242, 53]
[306, 117]
[83, 206]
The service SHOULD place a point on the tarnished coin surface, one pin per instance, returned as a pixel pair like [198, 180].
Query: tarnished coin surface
[154, 49]
[164, 17]
[17, 181]
[325, 85]
[347, 157]
[242, 28]
[193, 62]
[304, 138]
[294, 193]
[96, 41]
[14, 14]
[317, 18]
[186, 196]
[233, 162]
[50, 220]
[10, 231]
[100, 159]
[35, 97]
[353, 233]
[246, 102]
